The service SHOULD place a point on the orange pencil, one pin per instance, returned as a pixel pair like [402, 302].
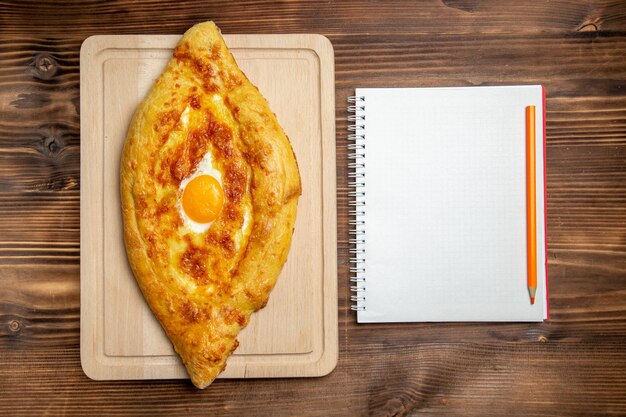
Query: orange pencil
[531, 203]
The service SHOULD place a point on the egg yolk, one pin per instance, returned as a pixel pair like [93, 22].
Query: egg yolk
[203, 198]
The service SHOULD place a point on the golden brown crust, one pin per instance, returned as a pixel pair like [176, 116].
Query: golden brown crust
[203, 287]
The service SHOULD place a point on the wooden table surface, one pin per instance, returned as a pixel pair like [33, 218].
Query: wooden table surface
[575, 364]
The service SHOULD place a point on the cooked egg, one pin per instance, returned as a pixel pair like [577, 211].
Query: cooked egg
[202, 196]
[202, 199]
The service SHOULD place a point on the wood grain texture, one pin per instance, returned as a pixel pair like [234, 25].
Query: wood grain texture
[573, 365]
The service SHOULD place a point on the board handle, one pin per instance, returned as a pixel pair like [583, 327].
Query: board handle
[356, 199]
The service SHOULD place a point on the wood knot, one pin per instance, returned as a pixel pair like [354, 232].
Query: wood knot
[45, 66]
[51, 145]
[588, 27]
[542, 339]
[394, 407]
[15, 326]
[53, 141]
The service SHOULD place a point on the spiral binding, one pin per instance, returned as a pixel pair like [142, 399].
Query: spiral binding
[356, 181]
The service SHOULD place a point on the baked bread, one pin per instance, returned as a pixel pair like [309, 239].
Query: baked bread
[209, 187]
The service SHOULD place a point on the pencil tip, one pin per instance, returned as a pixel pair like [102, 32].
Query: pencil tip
[532, 291]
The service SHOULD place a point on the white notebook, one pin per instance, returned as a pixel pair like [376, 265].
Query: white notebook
[439, 204]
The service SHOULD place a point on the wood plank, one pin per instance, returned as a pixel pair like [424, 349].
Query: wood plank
[573, 365]
[397, 16]
[39, 306]
[441, 379]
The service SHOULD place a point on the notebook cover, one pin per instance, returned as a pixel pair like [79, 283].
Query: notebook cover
[396, 101]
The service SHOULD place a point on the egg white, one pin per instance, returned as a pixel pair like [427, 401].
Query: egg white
[205, 167]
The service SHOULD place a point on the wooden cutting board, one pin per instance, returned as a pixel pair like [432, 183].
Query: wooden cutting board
[296, 334]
